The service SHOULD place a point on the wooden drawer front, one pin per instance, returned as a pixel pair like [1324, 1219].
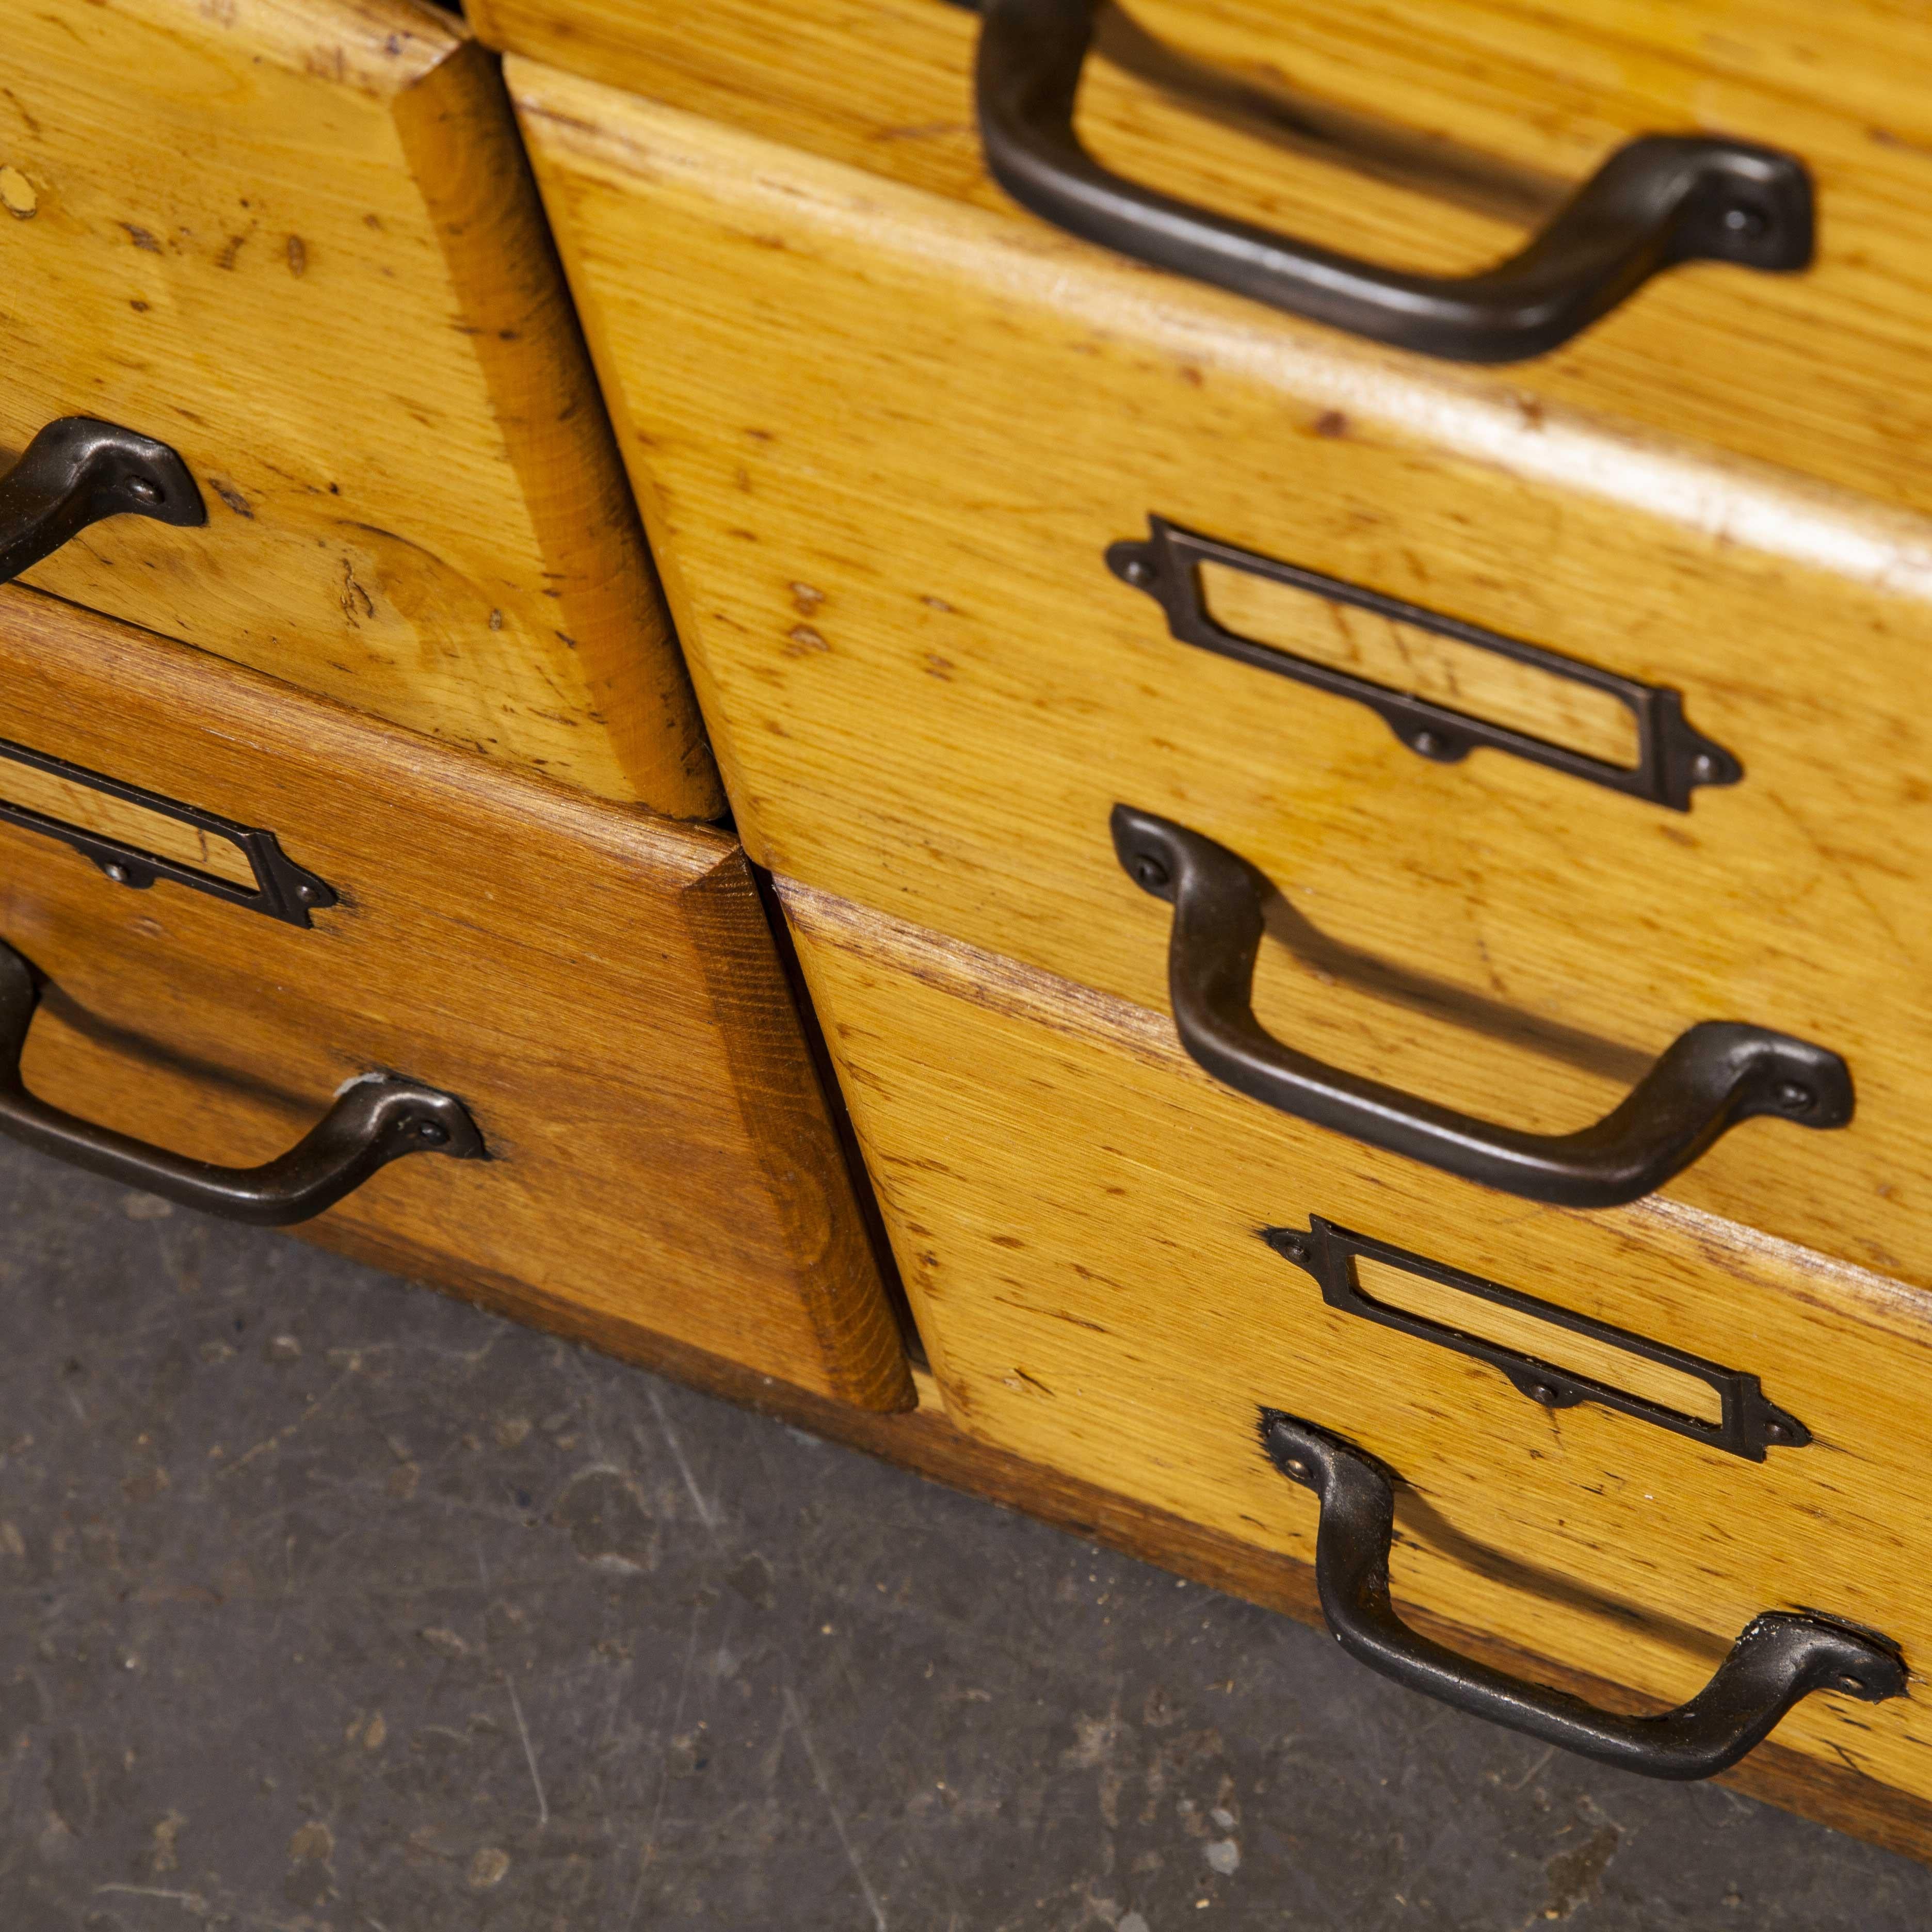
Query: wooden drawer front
[598, 988]
[1443, 135]
[886, 445]
[296, 240]
[1078, 1213]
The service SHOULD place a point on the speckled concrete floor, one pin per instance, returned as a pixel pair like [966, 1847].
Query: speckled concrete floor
[329, 1602]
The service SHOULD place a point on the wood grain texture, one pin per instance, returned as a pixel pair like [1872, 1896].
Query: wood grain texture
[1499, 107]
[297, 240]
[883, 440]
[1405, 657]
[599, 986]
[78, 804]
[1076, 1208]
[924, 1441]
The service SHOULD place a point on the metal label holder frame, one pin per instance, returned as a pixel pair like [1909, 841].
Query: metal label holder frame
[283, 890]
[1750, 1422]
[1672, 759]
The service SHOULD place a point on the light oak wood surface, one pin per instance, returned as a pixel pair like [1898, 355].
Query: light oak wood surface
[297, 241]
[1494, 109]
[599, 987]
[76, 803]
[883, 440]
[1076, 1208]
[1403, 656]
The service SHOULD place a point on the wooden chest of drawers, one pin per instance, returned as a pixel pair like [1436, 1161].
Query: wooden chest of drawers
[1356, 820]
[1110, 663]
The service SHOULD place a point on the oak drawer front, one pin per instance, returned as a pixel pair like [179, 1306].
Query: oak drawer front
[1417, 136]
[900, 466]
[1082, 1220]
[295, 242]
[329, 901]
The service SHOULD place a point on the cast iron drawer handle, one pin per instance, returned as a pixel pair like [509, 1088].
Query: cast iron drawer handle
[1710, 1077]
[371, 1123]
[1781, 1656]
[1659, 199]
[77, 471]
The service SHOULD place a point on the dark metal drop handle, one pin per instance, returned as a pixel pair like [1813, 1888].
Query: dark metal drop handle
[371, 1123]
[76, 471]
[1781, 1657]
[1711, 1077]
[1659, 199]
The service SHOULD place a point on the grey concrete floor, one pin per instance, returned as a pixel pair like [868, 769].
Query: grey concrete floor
[331, 1602]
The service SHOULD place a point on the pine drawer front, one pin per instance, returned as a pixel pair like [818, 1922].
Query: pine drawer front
[1432, 137]
[886, 445]
[1078, 1213]
[296, 242]
[597, 988]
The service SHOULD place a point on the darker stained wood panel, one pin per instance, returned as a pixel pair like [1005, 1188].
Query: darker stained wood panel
[599, 986]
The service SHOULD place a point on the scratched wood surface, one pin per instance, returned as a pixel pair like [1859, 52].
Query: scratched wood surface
[599, 986]
[1075, 1207]
[1447, 129]
[297, 241]
[883, 440]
